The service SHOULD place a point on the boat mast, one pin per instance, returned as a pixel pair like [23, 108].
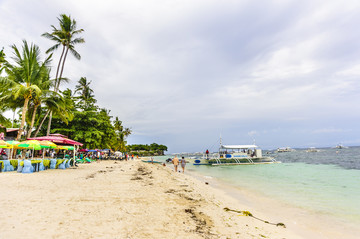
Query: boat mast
[220, 146]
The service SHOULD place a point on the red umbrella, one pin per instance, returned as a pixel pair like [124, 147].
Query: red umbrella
[57, 139]
[61, 135]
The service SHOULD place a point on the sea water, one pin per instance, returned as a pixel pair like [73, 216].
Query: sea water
[325, 182]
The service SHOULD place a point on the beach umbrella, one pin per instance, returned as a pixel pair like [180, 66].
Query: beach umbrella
[57, 139]
[12, 146]
[30, 144]
[4, 144]
[65, 147]
[47, 145]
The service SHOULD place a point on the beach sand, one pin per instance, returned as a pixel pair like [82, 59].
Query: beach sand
[123, 199]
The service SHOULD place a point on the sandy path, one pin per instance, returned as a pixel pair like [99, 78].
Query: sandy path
[121, 200]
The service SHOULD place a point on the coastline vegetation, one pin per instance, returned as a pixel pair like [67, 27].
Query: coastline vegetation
[27, 89]
[153, 149]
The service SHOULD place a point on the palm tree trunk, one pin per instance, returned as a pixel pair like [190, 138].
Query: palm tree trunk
[56, 90]
[63, 64]
[32, 121]
[38, 129]
[23, 118]
[49, 124]
[58, 67]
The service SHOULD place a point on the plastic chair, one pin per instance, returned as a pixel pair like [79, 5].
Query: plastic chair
[67, 165]
[7, 166]
[28, 168]
[62, 165]
[41, 166]
[19, 168]
[52, 163]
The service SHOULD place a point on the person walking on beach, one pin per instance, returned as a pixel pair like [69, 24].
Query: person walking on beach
[183, 163]
[175, 161]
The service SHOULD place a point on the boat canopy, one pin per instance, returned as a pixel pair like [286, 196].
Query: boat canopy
[238, 146]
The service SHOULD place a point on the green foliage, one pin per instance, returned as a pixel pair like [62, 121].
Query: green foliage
[91, 125]
[147, 150]
[27, 85]
[2, 59]
[25, 78]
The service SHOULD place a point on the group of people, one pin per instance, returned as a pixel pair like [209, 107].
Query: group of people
[176, 162]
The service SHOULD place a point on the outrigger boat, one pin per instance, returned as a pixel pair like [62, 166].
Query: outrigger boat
[284, 150]
[235, 155]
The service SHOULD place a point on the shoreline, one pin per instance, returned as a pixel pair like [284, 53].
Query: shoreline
[303, 222]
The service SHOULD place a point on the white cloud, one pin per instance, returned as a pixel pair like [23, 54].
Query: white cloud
[170, 69]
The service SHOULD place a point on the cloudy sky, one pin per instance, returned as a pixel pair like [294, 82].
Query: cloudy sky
[182, 73]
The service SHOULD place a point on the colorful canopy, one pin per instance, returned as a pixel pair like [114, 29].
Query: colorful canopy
[57, 139]
[29, 144]
[4, 144]
[12, 142]
[47, 144]
[65, 147]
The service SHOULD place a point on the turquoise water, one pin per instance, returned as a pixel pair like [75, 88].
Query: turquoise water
[318, 182]
[325, 189]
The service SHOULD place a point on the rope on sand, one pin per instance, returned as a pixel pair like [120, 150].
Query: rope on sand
[248, 214]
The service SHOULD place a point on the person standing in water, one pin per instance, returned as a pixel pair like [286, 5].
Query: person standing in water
[183, 163]
[175, 161]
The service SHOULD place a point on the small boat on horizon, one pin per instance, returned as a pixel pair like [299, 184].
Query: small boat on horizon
[286, 149]
[340, 146]
[312, 150]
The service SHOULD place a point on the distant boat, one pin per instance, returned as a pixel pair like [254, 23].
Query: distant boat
[234, 155]
[312, 150]
[286, 149]
[149, 161]
[340, 146]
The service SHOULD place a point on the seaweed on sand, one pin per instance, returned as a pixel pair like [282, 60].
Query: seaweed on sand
[248, 214]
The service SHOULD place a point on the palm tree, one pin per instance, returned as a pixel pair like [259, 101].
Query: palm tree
[38, 99]
[61, 105]
[3, 119]
[24, 75]
[64, 36]
[121, 134]
[86, 98]
[8, 101]
[2, 59]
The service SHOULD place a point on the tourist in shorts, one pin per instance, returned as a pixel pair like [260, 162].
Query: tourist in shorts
[175, 161]
[183, 163]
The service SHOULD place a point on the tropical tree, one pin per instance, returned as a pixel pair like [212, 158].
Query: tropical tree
[8, 101]
[24, 75]
[64, 36]
[2, 59]
[60, 105]
[121, 134]
[86, 97]
[3, 119]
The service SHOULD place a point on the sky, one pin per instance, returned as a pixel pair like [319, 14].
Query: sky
[185, 73]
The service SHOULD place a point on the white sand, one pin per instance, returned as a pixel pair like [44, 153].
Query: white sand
[114, 199]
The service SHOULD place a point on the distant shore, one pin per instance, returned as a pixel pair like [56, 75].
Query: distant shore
[124, 199]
